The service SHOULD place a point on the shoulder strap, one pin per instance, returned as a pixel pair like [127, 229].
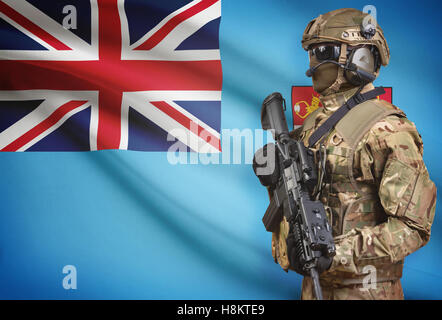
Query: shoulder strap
[309, 122]
[357, 122]
[356, 99]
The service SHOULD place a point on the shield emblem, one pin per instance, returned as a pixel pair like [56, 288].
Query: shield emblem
[305, 100]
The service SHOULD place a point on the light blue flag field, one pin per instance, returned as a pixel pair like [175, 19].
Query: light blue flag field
[129, 128]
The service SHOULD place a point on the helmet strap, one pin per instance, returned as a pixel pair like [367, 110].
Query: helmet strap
[340, 79]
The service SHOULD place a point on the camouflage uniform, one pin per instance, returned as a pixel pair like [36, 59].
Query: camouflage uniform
[380, 211]
[376, 191]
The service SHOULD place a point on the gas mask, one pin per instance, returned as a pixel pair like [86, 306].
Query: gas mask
[335, 67]
[324, 76]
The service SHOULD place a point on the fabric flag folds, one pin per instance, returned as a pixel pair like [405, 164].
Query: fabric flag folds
[123, 76]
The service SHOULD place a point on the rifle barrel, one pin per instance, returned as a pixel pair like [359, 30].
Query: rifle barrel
[316, 285]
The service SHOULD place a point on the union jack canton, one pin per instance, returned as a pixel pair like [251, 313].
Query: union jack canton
[109, 74]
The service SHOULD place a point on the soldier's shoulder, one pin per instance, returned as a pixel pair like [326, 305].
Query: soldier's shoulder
[309, 121]
[397, 121]
[394, 129]
[389, 108]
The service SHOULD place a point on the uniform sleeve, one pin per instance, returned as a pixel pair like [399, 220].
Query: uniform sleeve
[394, 156]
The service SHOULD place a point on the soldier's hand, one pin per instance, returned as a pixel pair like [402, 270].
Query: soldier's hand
[296, 261]
[323, 264]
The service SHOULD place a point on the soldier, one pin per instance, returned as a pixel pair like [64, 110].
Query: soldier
[374, 184]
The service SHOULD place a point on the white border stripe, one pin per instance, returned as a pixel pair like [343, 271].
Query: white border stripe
[81, 50]
[140, 102]
[163, 22]
[26, 32]
[53, 99]
[165, 50]
[193, 118]
[54, 127]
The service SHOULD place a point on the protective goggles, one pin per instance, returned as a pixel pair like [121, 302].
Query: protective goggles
[325, 52]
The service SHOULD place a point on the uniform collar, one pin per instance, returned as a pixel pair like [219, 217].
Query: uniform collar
[332, 102]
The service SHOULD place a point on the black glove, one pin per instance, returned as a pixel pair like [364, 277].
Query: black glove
[323, 264]
[296, 260]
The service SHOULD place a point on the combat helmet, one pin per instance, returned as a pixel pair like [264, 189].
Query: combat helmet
[348, 28]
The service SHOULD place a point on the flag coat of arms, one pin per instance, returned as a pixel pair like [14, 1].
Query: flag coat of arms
[305, 100]
[125, 76]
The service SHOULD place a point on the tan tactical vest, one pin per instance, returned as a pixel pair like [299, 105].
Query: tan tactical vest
[350, 202]
[341, 145]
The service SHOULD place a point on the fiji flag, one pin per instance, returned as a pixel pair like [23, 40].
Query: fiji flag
[80, 75]
[109, 74]
[117, 77]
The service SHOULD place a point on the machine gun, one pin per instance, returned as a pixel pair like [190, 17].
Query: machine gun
[287, 169]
